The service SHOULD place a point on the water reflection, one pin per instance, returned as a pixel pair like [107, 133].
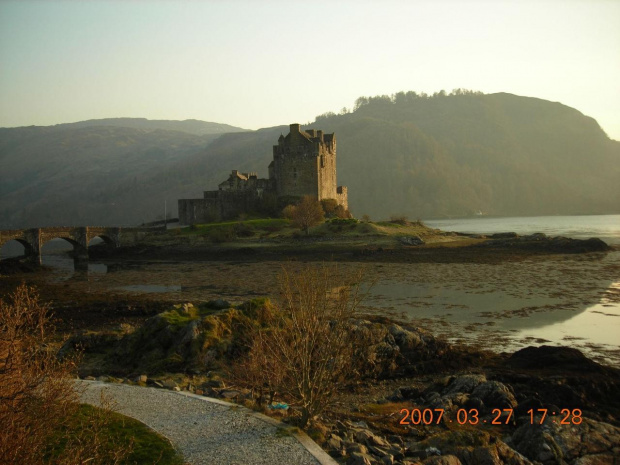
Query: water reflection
[597, 324]
[505, 310]
[55, 255]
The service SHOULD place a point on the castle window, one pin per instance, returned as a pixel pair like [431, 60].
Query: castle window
[322, 162]
[295, 172]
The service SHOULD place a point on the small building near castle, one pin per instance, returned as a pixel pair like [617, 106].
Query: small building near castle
[304, 163]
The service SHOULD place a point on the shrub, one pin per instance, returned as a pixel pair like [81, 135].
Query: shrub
[38, 400]
[342, 212]
[305, 350]
[399, 219]
[305, 214]
[329, 207]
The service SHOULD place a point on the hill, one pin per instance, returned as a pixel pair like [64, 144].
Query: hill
[72, 174]
[191, 126]
[459, 154]
[412, 154]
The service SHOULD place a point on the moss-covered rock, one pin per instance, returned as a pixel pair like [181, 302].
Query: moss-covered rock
[185, 338]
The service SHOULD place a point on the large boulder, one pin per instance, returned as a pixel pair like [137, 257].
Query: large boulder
[554, 358]
[589, 442]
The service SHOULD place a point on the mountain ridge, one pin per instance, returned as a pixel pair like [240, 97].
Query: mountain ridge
[413, 154]
[191, 126]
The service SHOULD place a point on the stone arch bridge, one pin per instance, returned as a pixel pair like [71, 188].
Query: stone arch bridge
[34, 239]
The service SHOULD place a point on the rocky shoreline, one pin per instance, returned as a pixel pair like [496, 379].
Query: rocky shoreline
[405, 368]
[458, 247]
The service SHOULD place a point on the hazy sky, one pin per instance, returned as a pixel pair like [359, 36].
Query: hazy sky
[260, 63]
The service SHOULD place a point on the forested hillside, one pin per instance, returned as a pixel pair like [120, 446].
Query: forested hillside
[459, 154]
[418, 155]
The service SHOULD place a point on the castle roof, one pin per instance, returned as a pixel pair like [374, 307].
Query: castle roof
[327, 138]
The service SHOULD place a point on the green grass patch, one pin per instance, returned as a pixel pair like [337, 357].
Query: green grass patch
[389, 224]
[118, 431]
[262, 224]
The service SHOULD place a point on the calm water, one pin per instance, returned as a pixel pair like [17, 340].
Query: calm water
[605, 227]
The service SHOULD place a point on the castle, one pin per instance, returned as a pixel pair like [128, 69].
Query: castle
[304, 163]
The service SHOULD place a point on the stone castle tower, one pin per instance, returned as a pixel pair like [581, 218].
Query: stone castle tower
[304, 163]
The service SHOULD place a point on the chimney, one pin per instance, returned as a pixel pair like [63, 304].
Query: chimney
[295, 128]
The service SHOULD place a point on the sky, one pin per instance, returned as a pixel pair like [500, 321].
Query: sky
[262, 63]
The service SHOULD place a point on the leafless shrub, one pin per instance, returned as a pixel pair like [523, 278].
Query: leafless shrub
[305, 353]
[38, 401]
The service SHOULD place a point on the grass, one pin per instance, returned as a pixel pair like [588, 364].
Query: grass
[333, 232]
[147, 447]
[229, 230]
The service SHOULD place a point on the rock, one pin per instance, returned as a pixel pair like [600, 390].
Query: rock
[169, 384]
[556, 358]
[588, 442]
[458, 398]
[218, 304]
[465, 383]
[480, 456]
[405, 340]
[140, 379]
[185, 309]
[90, 378]
[357, 424]
[442, 460]
[568, 245]
[216, 383]
[230, 393]
[495, 395]
[357, 458]
[405, 393]
[354, 447]
[190, 333]
[528, 404]
[505, 235]
[334, 442]
[474, 403]
[411, 240]
[103, 378]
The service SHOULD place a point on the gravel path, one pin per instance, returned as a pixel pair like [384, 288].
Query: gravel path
[208, 431]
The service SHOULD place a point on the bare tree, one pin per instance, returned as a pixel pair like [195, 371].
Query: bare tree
[306, 213]
[306, 351]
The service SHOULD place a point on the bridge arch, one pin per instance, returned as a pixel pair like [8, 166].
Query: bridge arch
[8, 248]
[104, 237]
[79, 250]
